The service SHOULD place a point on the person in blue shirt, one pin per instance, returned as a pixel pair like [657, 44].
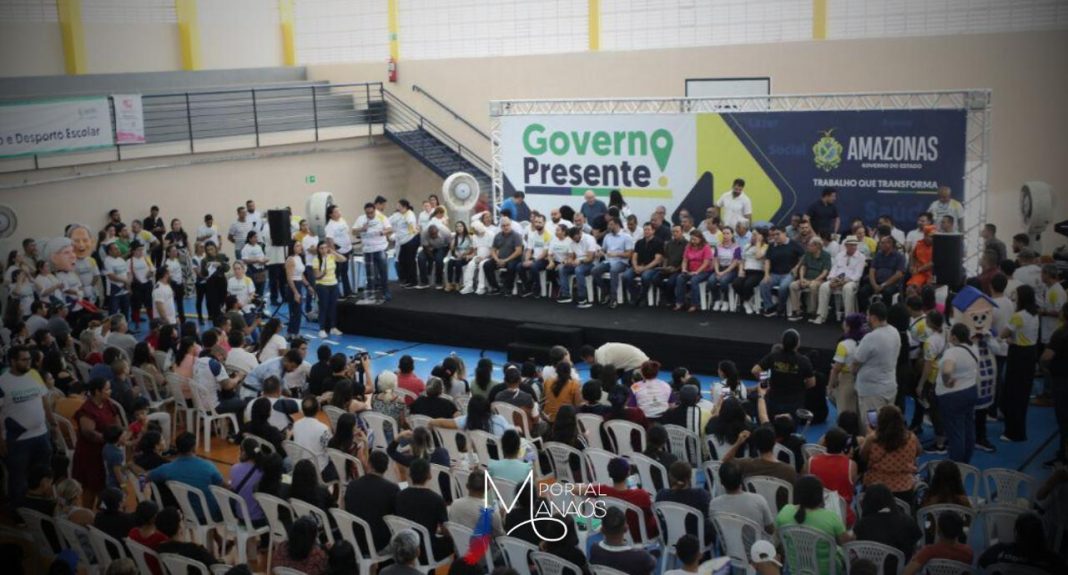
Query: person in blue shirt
[592, 207]
[191, 470]
[884, 274]
[618, 247]
[517, 207]
[277, 367]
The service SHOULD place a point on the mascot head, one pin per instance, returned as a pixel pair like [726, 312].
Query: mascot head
[82, 240]
[974, 309]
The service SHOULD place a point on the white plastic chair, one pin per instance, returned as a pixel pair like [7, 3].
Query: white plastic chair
[157, 400]
[999, 522]
[261, 443]
[186, 495]
[415, 421]
[449, 439]
[121, 411]
[437, 471]
[549, 564]
[927, 519]
[461, 537]
[459, 482]
[801, 549]
[176, 384]
[685, 444]
[180, 565]
[237, 521]
[772, 489]
[206, 417]
[71, 536]
[516, 416]
[348, 524]
[517, 553]
[296, 452]
[1009, 487]
[651, 474]
[736, 534]
[272, 509]
[35, 524]
[969, 474]
[1014, 569]
[833, 501]
[604, 570]
[333, 413]
[397, 524]
[480, 441]
[878, 553]
[141, 554]
[811, 449]
[343, 464]
[946, 567]
[590, 426]
[302, 508]
[672, 521]
[505, 487]
[620, 432]
[785, 455]
[643, 539]
[377, 422]
[406, 394]
[105, 547]
[598, 461]
[561, 455]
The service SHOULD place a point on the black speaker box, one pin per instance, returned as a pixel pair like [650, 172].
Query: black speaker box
[278, 220]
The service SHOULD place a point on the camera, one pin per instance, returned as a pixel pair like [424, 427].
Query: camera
[358, 359]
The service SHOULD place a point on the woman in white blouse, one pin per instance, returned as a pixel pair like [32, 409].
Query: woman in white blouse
[752, 270]
[142, 272]
[298, 285]
[271, 344]
[240, 286]
[177, 273]
[21, 289]
[256, 261]
[46, 284]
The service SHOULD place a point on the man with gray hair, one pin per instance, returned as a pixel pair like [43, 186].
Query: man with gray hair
[405, 550]
[431, 404]
[507, 255]
[120, 335]
[468, 510]
[813, 269]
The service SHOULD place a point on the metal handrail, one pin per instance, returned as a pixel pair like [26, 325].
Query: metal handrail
[400, 113]
[456, 116]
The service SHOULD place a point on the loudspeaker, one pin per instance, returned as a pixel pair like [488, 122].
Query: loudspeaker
[278, 220]
[948, 259]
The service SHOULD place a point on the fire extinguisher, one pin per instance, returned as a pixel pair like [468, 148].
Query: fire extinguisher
[391, 71]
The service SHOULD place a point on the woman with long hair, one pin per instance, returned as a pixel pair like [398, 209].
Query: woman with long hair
[415, 444]
[259, 424]
[307, 487]
[325, 267]
[1022, 335]
[21, 293]
[726, 261]
[652, 395]
[730, 382]
[349, 396]
[565, 428]
[271, 343]
[96, 414]
[807, 509]
[947, 486]
[245, 477]
[483, 377]
[300, 550]
[751, 272]
[350, 439]
[479, 417]
[890, 453]
[615, 200]
[840, 383]
[461, 251]
[298, 286]
[564, 389]
[726, 424]
[176, 268]
[696, 267]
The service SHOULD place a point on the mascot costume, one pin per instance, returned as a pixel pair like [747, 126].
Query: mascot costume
[974, 309]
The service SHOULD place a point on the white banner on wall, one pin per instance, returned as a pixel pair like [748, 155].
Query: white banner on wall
[129, 119]
[54, 126]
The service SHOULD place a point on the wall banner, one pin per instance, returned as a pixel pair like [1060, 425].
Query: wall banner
[882, 162]
[65, 125]
[129, 119]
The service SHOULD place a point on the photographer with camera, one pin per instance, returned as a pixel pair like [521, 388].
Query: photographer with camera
[786, 374]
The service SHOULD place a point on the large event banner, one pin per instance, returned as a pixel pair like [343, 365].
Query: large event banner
[881, 162]
[64, 125]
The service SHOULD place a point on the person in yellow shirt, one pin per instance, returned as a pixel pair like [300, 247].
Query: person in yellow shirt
[324, 266]
[1052, 301]
[1022, 335]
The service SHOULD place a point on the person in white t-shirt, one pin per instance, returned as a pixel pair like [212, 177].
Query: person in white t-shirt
[163, 298]
[240, 358]
[25, 419]
[1053, 299]
[240, 286]
[141, 271]
[214, 387]
[337, 229]
[406, 232]
[374, 230]
[559, 252]
[945, 205]
[117, 273]
[238, 232]
[734, 206]
[255, 261]
[256, 218]
[483, 231]
[957, 392]
[584, 253]
[209, 232]
[312, 434]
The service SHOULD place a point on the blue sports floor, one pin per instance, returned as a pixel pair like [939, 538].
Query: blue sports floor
[1026, 456]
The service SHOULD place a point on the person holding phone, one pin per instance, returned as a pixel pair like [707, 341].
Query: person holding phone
[789, 374]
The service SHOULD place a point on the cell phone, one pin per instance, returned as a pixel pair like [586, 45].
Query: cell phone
[873, 417]
[765, 379]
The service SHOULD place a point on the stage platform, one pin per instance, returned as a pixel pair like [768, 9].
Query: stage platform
[695, 340]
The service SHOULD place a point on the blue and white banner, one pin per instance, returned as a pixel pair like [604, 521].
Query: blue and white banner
[50, 126]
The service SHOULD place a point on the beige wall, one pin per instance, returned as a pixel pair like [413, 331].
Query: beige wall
[228, 45]
[120, 48]
[1028, 73]
[352, 170]
[30, 49]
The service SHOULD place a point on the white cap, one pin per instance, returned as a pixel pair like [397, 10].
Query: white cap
[763, 552]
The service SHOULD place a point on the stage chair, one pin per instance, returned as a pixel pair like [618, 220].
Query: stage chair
[999, 523]
[141, 555]
[296, 452]
[685, 445]
[343, 463]
[176, 384]
[517, 416]
[711, 472]
[1009, 487]
[261, 443]
[785, 455]
[561, 455]
[927, 519]
[480, 441]
[333, 413]
[437, 471]
[642, 538]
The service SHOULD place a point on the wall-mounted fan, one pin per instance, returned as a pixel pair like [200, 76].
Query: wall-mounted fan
[315, 210]
[9, 222]
[1036, 207]
[460, 191]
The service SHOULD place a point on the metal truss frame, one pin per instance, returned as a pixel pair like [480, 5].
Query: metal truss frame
[977, 104]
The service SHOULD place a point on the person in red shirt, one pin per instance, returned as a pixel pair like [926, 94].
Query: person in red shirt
[948, 545]
[619, 471]
[835, 469]
[406, 378]
[146, 533]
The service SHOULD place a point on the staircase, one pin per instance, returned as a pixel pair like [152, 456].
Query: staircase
[431, 145]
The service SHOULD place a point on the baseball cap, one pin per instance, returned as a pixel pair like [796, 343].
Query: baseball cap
[763, 552]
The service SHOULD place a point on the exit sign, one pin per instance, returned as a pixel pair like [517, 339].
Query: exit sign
[309, 179]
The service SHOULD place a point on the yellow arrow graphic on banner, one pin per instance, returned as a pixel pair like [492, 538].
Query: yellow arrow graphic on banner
[721, 152]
